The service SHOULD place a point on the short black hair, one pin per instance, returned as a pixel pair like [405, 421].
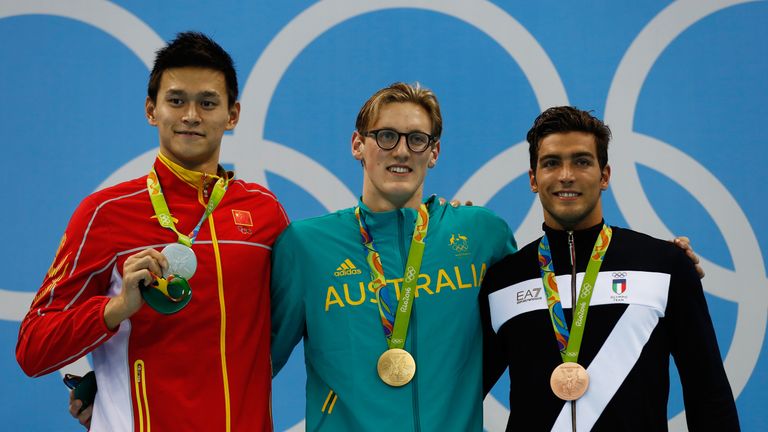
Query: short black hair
[564, 119]
[197, 50]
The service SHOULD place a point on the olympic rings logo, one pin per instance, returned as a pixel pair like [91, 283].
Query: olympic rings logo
[410, 274]
[499, 171]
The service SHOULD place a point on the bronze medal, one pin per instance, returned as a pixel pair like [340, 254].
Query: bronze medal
[396, 367]
[569, 381]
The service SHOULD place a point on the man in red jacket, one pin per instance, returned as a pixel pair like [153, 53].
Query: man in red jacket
[164, 357]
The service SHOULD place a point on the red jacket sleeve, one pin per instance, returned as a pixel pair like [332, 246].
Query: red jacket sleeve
[65, 320]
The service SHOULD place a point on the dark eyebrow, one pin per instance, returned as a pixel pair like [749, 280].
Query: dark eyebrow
[175, 92]
[203, 94]
[583, 154]
[549, 156]
[209, 94]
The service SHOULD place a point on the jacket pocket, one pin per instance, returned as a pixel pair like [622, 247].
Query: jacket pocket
[327, 409]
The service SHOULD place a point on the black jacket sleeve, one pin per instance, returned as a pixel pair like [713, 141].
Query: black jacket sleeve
[709, 403]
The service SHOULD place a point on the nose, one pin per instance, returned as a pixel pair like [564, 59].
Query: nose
[401, 149]
[191, 115]
[566, 173]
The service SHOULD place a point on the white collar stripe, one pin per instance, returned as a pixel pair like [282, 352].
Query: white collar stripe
[648, 289]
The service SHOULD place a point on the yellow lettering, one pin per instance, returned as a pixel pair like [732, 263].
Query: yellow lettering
[362, 295]
[482, 272]
[458, 278]
[444, 280]
[373, 291]
[396, 282]
[424, 286]
[336, 298]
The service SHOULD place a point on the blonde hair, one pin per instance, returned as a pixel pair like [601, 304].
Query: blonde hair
[400, 93]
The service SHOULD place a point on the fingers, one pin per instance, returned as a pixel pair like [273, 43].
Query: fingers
[700, 271]
[148, 259]
[454, 202]
[74, 404]
[85, 417]
[685, 244]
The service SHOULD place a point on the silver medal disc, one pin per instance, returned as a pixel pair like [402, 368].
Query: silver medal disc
[181, 260]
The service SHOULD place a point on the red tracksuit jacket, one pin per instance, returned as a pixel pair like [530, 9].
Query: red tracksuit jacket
[206, 367]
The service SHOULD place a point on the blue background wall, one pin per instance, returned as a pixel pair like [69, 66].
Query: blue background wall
[682, 84]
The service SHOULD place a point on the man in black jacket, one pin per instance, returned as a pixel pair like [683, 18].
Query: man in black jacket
[641, 296]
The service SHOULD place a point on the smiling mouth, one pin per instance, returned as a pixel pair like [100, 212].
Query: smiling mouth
[399, 169]
[567, 194]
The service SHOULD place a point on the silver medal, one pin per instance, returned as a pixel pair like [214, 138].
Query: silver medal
[181, 260]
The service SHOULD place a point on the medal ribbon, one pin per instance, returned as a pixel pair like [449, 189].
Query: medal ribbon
[395, 315]
[569, 343]
[164, 214]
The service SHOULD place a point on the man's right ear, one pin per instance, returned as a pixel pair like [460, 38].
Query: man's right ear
[358, 144]
[149, 111]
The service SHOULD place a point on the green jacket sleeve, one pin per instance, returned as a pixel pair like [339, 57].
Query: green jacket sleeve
[287, 299]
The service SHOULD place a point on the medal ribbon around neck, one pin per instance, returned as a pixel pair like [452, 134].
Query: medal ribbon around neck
[569, 343]
[163, 213]
[395, 315]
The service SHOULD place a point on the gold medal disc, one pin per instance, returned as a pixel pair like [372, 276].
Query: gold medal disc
[396, 367]
[569, 381]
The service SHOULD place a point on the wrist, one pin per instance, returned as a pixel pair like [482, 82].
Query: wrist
[115, 312]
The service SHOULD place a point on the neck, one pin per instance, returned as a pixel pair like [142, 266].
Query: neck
[385, 205]
[563, 229]
[208, 167]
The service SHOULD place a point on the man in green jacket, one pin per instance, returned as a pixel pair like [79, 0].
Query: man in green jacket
[384, 294]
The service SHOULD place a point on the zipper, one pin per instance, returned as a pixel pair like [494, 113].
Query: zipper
[572, 253]
[415, 381]
[222, 325]
[412, 326]
[142, 404]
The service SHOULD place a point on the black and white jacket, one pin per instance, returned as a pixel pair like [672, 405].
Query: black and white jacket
[648, 303]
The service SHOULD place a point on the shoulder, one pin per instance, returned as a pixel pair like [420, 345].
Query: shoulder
[473, 216]
[259, 198]
[513, 268]
[255, 189]
[641, 242]
[646, 252]
[126, 193]
[310, 229]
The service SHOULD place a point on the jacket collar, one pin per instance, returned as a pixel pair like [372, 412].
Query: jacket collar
[195, 179]
[583, 240]
[388, 219]
[429, 201]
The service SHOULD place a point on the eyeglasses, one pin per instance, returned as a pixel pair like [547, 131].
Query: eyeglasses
[387, 139]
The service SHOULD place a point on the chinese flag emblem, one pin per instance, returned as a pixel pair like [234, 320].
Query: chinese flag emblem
[242, 217]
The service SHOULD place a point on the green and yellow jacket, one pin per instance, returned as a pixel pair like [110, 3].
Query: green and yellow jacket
[321, 293]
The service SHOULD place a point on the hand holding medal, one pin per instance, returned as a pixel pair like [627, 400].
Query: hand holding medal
[171, 293]
[167, 295]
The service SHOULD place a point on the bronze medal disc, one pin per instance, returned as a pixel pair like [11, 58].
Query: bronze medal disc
[569, 381]
[396, 367]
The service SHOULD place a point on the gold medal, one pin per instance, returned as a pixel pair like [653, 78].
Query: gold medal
[569, 381]
[396, 367]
